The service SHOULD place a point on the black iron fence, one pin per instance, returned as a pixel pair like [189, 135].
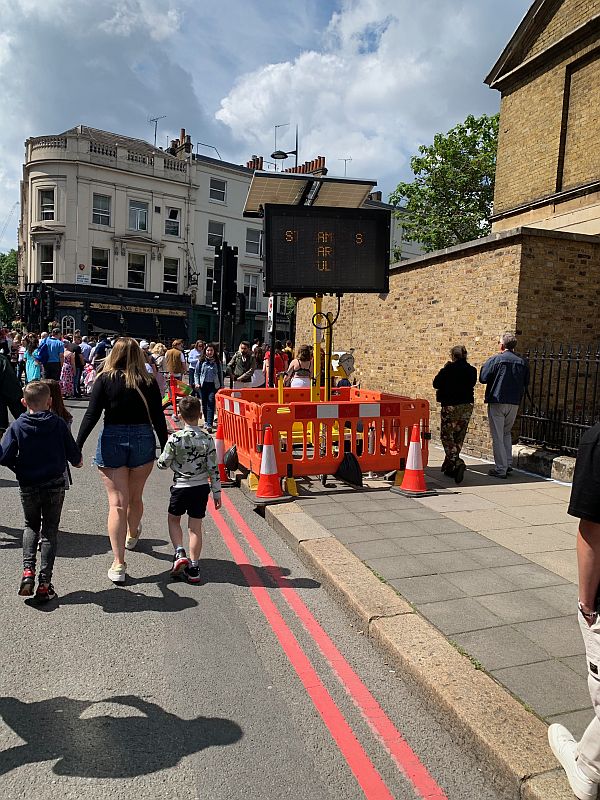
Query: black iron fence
[563, 400]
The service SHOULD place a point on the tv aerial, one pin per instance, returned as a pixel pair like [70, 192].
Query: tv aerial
[154, 121]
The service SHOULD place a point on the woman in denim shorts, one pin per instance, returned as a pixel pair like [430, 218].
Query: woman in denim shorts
[130, 399]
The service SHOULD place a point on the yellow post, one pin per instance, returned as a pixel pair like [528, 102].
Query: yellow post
[328, 354]
[315, 391]
[280, 388]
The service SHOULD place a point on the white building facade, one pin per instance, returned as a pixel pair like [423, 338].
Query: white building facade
[118, 236]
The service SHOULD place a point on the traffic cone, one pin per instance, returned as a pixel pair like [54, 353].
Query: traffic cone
[413, 481]
[269, 483]
[220, 448]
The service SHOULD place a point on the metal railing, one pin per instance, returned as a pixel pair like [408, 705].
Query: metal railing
[563, 400]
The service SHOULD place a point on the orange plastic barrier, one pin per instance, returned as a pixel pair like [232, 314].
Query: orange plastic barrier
[311, 438]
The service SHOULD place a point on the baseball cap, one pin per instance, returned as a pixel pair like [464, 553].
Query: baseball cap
[144, 344]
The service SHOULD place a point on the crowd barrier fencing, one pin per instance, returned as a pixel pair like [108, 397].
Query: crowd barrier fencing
[312, 437]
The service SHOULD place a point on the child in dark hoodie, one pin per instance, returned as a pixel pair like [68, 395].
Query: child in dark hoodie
[37, 447]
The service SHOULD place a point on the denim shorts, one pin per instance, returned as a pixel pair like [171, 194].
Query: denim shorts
[125, 446]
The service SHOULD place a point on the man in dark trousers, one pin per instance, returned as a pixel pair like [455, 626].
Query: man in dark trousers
[10, 393]
[581, 760]
[506, 376]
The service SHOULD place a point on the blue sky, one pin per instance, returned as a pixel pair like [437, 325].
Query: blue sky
[369, 80]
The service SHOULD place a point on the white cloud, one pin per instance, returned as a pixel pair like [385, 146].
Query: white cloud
[390, 74]
[366, 79]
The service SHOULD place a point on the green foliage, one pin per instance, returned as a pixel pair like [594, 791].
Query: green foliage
[290, 305]
[8, 285]
[450, 200]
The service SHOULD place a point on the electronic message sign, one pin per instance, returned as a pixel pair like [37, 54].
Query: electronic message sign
[322, 250]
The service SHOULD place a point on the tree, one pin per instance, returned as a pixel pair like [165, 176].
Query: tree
[450, 200]
[8, 285]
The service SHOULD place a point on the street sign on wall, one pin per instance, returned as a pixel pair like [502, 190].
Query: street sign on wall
[326, 250]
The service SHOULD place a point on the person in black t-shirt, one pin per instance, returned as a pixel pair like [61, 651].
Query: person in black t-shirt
[130, 399]
[454, 385]
[581, 760]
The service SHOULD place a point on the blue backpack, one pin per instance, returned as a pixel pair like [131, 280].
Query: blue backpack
[41, 354]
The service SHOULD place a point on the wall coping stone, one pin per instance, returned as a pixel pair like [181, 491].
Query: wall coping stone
[493, 240]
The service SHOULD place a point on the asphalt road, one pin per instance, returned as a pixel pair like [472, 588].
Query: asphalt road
[159, 689]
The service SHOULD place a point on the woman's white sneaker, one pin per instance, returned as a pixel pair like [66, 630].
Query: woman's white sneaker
[564, 747]
[117, 573]
[131, 541]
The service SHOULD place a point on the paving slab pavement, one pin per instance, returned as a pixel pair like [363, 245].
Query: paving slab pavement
[490, 563]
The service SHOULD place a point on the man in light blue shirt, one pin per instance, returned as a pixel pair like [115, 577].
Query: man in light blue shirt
[56, 355]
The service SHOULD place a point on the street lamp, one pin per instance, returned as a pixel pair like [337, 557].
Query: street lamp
[281, 155]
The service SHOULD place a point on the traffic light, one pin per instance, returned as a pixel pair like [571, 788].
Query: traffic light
[35, 307]
[230, 282]
[217, 269]
[48, 303]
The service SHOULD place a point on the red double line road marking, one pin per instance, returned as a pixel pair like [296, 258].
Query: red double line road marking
[363, 769]
[369, 780]
[400, 751]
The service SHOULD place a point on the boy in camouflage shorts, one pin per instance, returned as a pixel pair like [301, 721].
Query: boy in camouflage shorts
[191, 454]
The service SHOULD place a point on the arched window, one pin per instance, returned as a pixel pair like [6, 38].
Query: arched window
[67, 325]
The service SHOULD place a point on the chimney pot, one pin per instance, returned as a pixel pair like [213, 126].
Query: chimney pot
[182, 136]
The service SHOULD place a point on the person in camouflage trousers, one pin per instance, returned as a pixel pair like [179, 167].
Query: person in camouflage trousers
[454, 385]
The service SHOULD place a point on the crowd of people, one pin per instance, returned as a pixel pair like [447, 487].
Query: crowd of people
[39, 447]
[125, 380]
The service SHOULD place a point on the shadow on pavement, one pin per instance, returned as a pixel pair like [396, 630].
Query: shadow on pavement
[107, 746]
[217, 570]
[80, 545]
[118, 600]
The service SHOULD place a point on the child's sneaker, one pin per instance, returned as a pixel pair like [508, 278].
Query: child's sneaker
[192, 573]
[180, 562]
[45, 591]
[27, 583]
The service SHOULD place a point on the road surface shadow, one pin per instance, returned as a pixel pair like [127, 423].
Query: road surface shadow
[118, 600]
[107, 746]
[78, 545]
[218, 570]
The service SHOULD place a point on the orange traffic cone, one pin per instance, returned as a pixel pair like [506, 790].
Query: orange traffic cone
[413, 482]
[269, 483]
[220, 448]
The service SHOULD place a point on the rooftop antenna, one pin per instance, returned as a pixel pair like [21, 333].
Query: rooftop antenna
[345, 160]
[154, 120]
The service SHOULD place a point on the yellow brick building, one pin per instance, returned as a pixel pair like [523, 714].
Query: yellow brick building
[548, 168]
[538, 273]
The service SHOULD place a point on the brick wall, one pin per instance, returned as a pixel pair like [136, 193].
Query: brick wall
[559, 290]
[569, 15]
[531, 119]
[582, 144]
[539, 283]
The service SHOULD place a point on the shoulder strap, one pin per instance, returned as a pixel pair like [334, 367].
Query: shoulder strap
[141, 394]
